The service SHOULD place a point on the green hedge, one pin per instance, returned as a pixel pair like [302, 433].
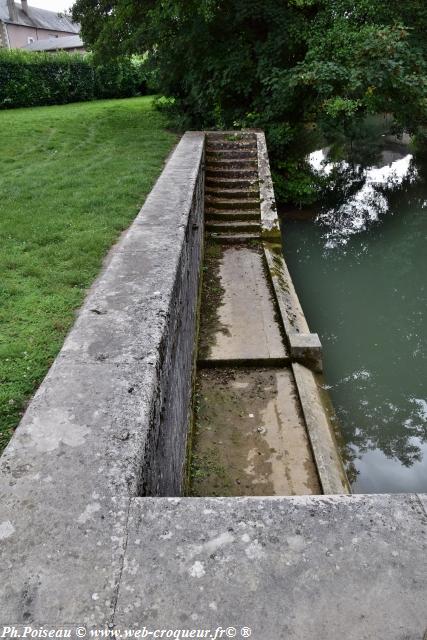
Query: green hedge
[29, 79]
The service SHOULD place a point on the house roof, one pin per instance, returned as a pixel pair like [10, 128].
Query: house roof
[53, 44]
[39, 18]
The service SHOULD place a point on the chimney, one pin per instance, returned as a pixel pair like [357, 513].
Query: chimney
[24, 6]
[13, 13]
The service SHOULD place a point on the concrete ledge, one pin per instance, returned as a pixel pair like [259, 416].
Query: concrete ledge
[270, 228]
[305, 348]
[315, 567]
[326, 567]
[325, 449]
[291, 312]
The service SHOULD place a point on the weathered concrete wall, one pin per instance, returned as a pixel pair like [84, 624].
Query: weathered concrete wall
[110, 419]
[113, 409]
[166, 450]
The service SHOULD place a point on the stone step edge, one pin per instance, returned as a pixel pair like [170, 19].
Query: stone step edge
[232, 225]
[265, 363]
[231, 238]
[240, 215]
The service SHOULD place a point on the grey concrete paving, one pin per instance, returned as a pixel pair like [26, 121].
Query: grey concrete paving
[61, 554]
[247, 327]
[326, 568]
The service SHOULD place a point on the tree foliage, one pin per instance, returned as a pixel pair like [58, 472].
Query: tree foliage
[288, 66]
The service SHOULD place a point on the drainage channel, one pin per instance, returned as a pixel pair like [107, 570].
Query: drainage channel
[250, 434]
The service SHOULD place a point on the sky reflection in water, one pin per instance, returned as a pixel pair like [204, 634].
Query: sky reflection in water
[368, 203]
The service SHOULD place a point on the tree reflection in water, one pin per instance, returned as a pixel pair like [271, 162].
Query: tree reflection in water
[359, 271]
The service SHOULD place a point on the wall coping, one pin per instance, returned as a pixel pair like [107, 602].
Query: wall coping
[76, 458]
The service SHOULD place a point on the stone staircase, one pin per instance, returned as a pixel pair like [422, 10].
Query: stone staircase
[232, 201]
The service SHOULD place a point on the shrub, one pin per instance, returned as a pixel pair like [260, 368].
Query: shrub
[29, 79]
[120, 79]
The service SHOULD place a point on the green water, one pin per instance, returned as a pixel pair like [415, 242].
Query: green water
[360, 271]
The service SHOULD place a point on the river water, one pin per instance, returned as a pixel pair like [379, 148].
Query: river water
[359, 266]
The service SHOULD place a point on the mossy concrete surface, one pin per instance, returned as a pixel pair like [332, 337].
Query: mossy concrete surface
[246, 327]
[250, 435]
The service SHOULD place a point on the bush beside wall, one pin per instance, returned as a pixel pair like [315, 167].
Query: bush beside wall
[29, 79]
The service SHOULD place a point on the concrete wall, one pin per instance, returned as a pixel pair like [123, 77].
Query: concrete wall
[110, 420]
[113, 410]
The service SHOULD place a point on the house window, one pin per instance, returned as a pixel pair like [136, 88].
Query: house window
[30, 40]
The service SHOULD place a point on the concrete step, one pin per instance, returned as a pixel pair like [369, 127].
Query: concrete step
[232, 183]
[230, 173]
[230, 225]
[218, 214]
[283, 463]
[231, 136]
[232, 194]
[231, 163]
[227, 144]
[232, 203]
[227, 154]
[233, 238]
[231, 213]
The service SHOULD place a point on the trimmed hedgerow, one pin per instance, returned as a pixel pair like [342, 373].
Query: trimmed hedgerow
[30, 79]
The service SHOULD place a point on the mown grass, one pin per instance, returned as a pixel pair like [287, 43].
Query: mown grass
[71, 179]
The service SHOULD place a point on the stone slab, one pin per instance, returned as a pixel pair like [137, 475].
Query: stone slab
[325, 449]
[85, 430]
[328, 568]
[250, 436]
[61, 559]
[422, 497]
[246, 327]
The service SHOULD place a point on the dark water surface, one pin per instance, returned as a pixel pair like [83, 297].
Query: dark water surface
[360, 271]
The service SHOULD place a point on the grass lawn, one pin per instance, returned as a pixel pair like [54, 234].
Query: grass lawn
[72, 178]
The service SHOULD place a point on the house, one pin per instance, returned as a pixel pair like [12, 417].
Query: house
[21, 25]
[69, 44]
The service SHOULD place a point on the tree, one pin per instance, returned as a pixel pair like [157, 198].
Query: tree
[288, 66]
